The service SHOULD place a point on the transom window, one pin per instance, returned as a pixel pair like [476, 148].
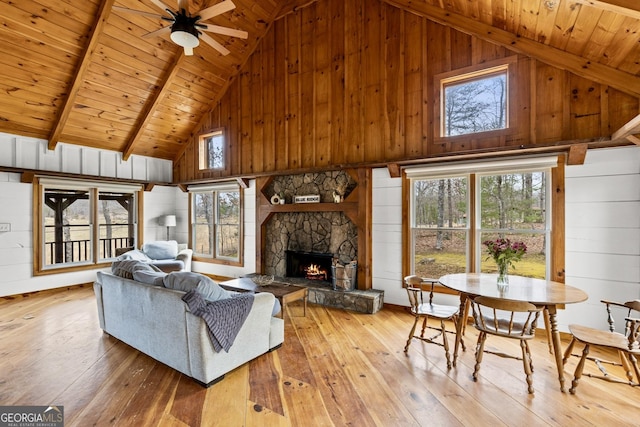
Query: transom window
[475, 102]
[452, 214]
[216, 222]
[212, 150]
[83, 223]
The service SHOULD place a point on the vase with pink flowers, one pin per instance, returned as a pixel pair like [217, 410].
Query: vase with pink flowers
[505, 253]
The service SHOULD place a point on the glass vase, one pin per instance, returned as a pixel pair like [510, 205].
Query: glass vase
[503, 277]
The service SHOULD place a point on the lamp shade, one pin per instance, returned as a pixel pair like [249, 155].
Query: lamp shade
[168, 220]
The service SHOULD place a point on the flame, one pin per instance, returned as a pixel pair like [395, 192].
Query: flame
[314, 271]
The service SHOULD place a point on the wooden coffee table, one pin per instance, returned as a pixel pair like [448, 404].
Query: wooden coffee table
[283, 291]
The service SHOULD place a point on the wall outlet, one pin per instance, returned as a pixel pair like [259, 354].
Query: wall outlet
[5, 227]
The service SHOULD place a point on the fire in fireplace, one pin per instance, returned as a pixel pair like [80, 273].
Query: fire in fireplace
[309, 265]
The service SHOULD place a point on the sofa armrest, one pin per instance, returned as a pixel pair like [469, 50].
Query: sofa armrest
[185, 256]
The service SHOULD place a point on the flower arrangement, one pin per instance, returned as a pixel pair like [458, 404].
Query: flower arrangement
[505, 253]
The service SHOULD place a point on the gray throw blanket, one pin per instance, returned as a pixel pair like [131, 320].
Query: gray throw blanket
[223, 317]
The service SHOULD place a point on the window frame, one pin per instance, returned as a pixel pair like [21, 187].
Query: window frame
[215, 189]
[203, 150]
[554, 199]
[94, 189]
[470, 74]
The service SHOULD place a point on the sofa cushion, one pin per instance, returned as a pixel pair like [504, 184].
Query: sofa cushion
[167, 249]
[186, 281]
[149, 274]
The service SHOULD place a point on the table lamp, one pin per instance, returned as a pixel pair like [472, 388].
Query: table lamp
[168, 221]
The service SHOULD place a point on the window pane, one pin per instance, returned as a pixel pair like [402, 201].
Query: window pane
[116, 223]
[475, 105]
[67, 226]
[513, 201]
[203, 223]
[440, 203]
[228, 235]
[533, 262]
[440, 226]
[510, 205]
[439, 252]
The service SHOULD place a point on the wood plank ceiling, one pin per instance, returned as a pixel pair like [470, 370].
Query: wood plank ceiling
[81, 72]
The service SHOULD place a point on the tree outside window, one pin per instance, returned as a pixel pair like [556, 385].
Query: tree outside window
[212, 150]
[70, 231]
[510, 205]
[216, 224]
[474, 102]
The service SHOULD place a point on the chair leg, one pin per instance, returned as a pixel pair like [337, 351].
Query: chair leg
[424, 326]
[445, 343]
[579, 368]
[482, 336]
[634, 363]
[528, 364]
[627, 367]
[413, 329]
[567, 352]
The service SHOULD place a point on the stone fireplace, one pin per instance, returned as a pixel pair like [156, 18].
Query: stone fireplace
[333, 221]
[324, 231]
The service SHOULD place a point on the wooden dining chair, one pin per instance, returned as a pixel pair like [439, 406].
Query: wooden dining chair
[424, 310]
[626, 344]
[508, 319]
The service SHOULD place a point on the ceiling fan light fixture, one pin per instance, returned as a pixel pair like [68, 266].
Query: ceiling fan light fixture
[184, 33]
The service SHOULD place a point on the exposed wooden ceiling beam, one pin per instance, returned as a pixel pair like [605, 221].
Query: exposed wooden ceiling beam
[628, 131]
[152, 104]
[65, 109]
[630, 8]
[634, 139]
[624, 82]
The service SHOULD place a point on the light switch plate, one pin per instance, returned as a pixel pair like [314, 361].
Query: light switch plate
[4, 227]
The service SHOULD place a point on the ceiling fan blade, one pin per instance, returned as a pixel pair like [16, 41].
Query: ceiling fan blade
[217, 46]
[138, 12]
[216, 9]
[224, 31]
[188, 51]
[159, 32]
[159, 4]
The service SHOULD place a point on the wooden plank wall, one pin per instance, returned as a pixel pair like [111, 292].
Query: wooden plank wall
[340, 84]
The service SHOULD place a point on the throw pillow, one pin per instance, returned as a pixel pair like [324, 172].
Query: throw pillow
[187, 280]
[161, 250]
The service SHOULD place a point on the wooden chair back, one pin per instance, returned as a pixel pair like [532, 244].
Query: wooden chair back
[512, 319]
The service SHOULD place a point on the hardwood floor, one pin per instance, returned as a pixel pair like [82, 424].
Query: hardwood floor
[336, 368]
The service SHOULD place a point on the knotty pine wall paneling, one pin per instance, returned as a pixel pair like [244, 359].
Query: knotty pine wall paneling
[352, 83]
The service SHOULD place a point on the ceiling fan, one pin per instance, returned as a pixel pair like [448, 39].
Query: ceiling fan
[186, 29]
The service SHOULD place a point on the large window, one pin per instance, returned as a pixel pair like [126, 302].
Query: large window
[216, 222]
[452, 214]
[82, 223]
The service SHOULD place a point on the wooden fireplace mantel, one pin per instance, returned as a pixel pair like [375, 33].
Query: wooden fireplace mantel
[356, 206]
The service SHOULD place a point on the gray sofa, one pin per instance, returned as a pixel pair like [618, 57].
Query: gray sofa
[156, 321]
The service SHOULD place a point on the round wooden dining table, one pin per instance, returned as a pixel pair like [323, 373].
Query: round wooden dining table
[542, 293]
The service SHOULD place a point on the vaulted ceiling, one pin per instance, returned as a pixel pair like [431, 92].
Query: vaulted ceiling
[83, 72]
